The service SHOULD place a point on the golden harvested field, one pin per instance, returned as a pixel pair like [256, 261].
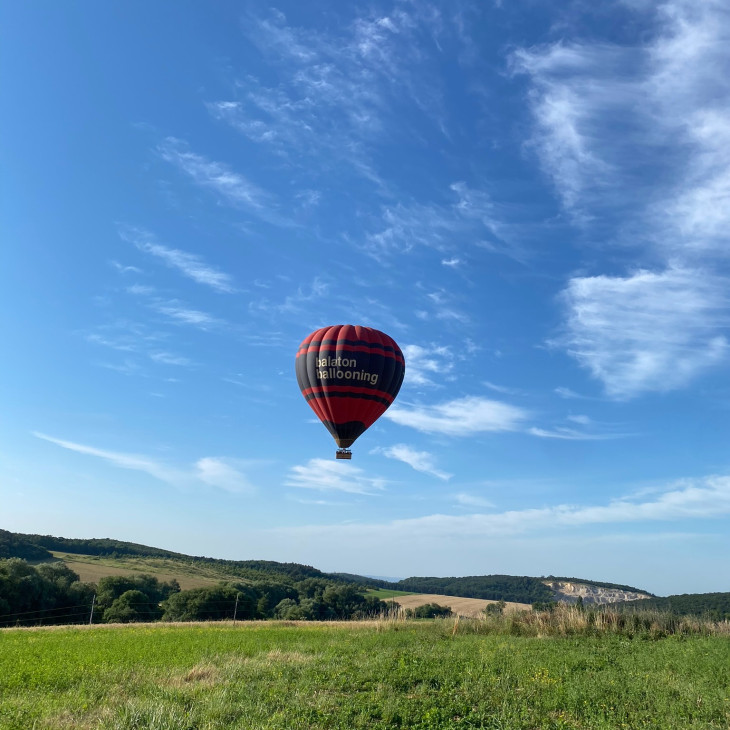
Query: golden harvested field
[460, 606]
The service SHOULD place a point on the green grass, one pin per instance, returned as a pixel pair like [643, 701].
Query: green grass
[381, 674]
[384, 593]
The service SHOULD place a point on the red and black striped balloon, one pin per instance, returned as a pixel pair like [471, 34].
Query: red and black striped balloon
[349, 375]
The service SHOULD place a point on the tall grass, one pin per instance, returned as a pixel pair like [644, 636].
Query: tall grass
[571, 620]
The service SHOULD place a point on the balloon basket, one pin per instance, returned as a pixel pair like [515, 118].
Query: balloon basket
[343, 454]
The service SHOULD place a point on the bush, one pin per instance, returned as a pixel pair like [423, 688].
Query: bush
[429, 610]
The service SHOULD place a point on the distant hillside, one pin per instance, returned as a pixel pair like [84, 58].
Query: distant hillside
[522, 589]
[18, 546]
[516, 589]
[715, 606]
[107, 547]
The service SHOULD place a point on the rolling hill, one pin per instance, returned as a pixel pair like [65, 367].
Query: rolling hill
[95, 558]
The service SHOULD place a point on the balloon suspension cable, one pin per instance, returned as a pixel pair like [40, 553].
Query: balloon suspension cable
[343, 454]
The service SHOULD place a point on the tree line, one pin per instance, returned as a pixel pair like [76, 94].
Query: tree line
[520, 589]
[714, 606]
[52, 593]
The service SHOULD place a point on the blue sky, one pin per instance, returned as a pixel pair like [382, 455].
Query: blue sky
[532, 199]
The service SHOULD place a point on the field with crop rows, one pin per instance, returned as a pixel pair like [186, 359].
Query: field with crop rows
[377, 674]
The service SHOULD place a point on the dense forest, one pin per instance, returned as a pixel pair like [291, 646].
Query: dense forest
[520, 589]
[715, 606]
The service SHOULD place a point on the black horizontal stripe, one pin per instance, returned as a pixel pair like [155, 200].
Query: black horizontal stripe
[363, 396]
[353, 343]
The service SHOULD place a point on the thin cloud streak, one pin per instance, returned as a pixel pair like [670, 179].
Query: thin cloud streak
[706, 499]
[231, 186]
[190, 265]
[421, 461]
[212, 471]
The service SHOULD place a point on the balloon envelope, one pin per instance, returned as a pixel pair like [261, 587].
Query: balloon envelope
[349, 375]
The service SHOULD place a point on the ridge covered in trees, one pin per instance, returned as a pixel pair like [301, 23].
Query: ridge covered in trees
[519, 589]
[715, 606]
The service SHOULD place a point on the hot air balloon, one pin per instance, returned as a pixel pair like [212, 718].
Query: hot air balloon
[349, 375]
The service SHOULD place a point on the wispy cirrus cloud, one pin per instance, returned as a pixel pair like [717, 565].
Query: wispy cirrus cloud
[215, 472]
[169, 358]
[473, 500]
[569, 434]
[460, 417]
[421, 461]
[233, 187]
[340, 87]
[333, 476]
[636, 141]
[706, 498]
[181, 314]
[444, 226]
[427, 365]
[297, 303]
[188, 264]
[647, 331]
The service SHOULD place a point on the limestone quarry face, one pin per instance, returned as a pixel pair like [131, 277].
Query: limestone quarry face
[571, 592]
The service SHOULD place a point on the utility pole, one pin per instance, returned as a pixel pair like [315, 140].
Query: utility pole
[235, 608]
[93, 601]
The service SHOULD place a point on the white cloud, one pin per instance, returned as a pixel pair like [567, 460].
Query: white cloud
[190, 265]
[567, 393]
[333, 476]
[168, 358]
[427, 365]
[568, 434]
[641, 131]
[501, 388]
[214, 472]
[460, 417]
[442, 226]
[471, 500]
[707, 498]
[122, 269]
[223, 474]
[418, 460]
[182, 315]
[583, 420]
[140, 290]
[298, 303]
[648, 331]
[217, 176]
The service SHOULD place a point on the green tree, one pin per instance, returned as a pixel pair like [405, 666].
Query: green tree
[132, 606]
[429, 610]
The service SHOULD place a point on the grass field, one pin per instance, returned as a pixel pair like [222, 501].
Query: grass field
[90, 568]
[385, 593]
[378, 674]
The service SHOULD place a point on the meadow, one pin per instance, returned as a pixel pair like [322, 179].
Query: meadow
[503, 673]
